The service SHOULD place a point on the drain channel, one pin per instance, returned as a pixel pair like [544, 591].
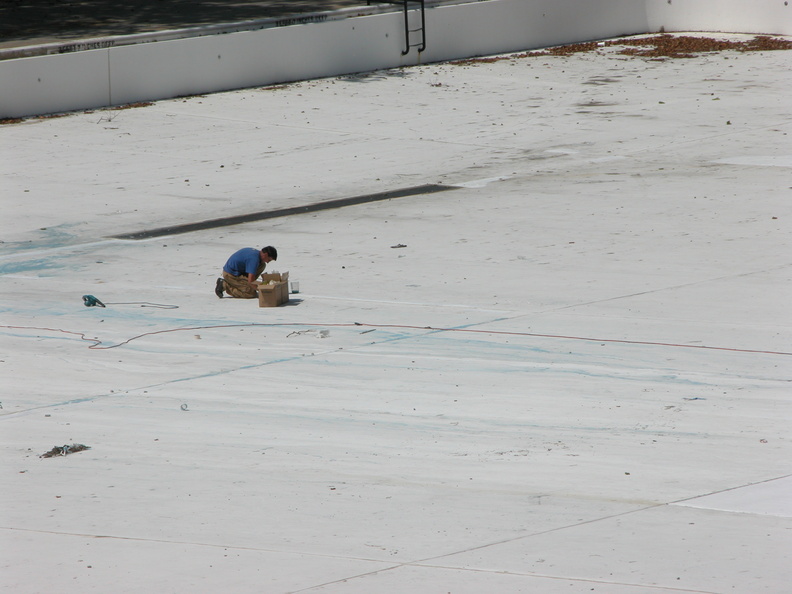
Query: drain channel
[284, 212]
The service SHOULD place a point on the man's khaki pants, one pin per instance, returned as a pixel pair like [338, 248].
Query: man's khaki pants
[238, 286]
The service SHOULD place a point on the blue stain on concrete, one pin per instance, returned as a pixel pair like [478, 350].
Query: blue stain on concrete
[37, 266]
[48, 238]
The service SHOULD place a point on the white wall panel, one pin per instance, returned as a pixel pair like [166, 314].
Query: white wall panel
[47, 84]
[247, 59]
[487, 28]
[733, 16]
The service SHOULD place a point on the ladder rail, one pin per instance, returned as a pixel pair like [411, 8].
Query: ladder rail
[408, 33]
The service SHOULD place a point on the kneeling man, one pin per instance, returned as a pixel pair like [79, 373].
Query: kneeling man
[242, 270]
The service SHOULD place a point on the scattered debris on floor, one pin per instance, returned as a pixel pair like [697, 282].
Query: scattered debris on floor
[314, 332]
[656, 47]
[65, 450]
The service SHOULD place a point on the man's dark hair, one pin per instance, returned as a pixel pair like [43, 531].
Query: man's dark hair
[271, 252]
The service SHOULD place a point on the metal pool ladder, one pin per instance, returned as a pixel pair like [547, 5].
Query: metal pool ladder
[412, 37]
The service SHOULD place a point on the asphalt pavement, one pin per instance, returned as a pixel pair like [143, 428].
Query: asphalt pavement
[49, 21]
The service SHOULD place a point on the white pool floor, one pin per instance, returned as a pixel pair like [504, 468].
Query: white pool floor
[569, 372]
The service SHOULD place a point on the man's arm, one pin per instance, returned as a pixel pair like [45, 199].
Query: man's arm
[252, 279]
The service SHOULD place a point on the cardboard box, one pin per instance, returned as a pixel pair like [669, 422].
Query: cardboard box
[273, 289]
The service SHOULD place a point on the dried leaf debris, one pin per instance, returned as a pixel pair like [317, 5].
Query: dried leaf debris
[655, 47]
[65, 450]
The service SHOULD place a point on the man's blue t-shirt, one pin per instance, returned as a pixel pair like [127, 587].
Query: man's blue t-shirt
[245, 261]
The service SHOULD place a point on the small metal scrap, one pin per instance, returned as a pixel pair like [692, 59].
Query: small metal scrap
[65, 450]
[320, 333]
